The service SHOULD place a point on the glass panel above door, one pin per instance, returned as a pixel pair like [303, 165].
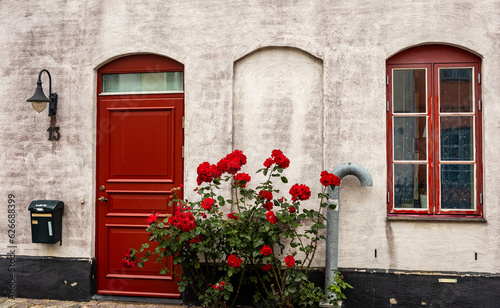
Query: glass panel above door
[143, 82]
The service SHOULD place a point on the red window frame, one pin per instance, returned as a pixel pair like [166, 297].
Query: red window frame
[432, 58]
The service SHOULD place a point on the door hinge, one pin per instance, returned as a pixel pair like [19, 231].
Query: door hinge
[182, 151]
[387, 106]
[183, 122]
[480, 107]
[481, 198]
[387, 80]
[388, 197]
[479, 78]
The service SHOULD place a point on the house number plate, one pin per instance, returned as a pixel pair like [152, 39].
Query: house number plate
[54, 133]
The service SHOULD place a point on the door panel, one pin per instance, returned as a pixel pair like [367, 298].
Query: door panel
[141, 145]
[139, 155]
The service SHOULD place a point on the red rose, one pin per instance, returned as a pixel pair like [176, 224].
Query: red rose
[183, 220]
[232, 216]
[291, 209]
[268, 205]
[233, 261]
[328, 179]
[269, 162]
[128, 261]
[152, 218]
[267, 267]
[206, 173]
[231, 163]
[207, 203]
[266, 250]
[280, 159]
[265, 194]
[290, 261]
[271, 217]
[196, 239]
[219, 286]
[300, 192]
[128, 264]
[242, 177]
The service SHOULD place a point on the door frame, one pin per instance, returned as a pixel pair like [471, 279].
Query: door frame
[137, 63]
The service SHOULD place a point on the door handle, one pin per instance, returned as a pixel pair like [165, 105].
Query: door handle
[102, 199]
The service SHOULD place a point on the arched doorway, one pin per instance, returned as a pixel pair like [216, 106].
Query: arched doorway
[140, 108]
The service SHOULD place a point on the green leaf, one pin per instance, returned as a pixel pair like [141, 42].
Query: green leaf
[284, 179]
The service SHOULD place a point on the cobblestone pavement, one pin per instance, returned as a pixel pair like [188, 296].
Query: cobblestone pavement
[35, 303]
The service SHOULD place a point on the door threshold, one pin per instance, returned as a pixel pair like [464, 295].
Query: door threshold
[152, 300]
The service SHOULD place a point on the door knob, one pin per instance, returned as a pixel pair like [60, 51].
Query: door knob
[102, 199]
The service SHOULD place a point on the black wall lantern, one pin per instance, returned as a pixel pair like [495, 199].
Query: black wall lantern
[39, 100]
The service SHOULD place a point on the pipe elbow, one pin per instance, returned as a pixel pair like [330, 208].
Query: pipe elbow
[364, 177]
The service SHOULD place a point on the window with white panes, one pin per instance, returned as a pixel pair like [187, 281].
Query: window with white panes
[434, 133]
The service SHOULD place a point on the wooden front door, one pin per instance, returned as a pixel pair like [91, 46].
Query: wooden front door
[139, 161]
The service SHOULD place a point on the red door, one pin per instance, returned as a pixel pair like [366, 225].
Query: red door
[139, 161]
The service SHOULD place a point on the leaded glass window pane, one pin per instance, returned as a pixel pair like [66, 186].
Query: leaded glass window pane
[457, 138]
[455, 90]
[410, 186]
[457, 186]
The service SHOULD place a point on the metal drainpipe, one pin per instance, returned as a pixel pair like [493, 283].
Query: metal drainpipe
[332, 220]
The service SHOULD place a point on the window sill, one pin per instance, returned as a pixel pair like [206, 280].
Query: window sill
[406, 217]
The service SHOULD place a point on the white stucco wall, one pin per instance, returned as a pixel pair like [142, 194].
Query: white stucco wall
[349, 42]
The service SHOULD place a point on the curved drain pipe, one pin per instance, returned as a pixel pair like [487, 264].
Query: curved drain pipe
[332, 220]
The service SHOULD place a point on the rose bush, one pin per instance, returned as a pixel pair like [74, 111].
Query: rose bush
[257, 242]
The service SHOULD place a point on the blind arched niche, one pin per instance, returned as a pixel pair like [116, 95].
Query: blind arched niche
[277, 97]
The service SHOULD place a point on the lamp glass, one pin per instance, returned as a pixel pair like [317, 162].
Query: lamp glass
[39, 106]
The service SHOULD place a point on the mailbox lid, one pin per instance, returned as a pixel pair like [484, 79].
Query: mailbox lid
[44, 206]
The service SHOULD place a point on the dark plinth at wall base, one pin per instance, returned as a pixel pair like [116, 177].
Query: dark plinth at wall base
[73, 279]
[48, 277]
[315, 275]
[392, 288]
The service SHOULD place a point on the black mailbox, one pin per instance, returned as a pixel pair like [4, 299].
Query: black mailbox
[46, 221]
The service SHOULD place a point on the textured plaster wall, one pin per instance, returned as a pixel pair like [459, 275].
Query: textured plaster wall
[347, 41]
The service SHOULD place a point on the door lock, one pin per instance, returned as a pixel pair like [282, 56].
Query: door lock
[102, 188]
[102, 199]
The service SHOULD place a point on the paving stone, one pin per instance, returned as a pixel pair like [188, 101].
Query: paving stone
[7, 304]
[46, 303]
[69, 305]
